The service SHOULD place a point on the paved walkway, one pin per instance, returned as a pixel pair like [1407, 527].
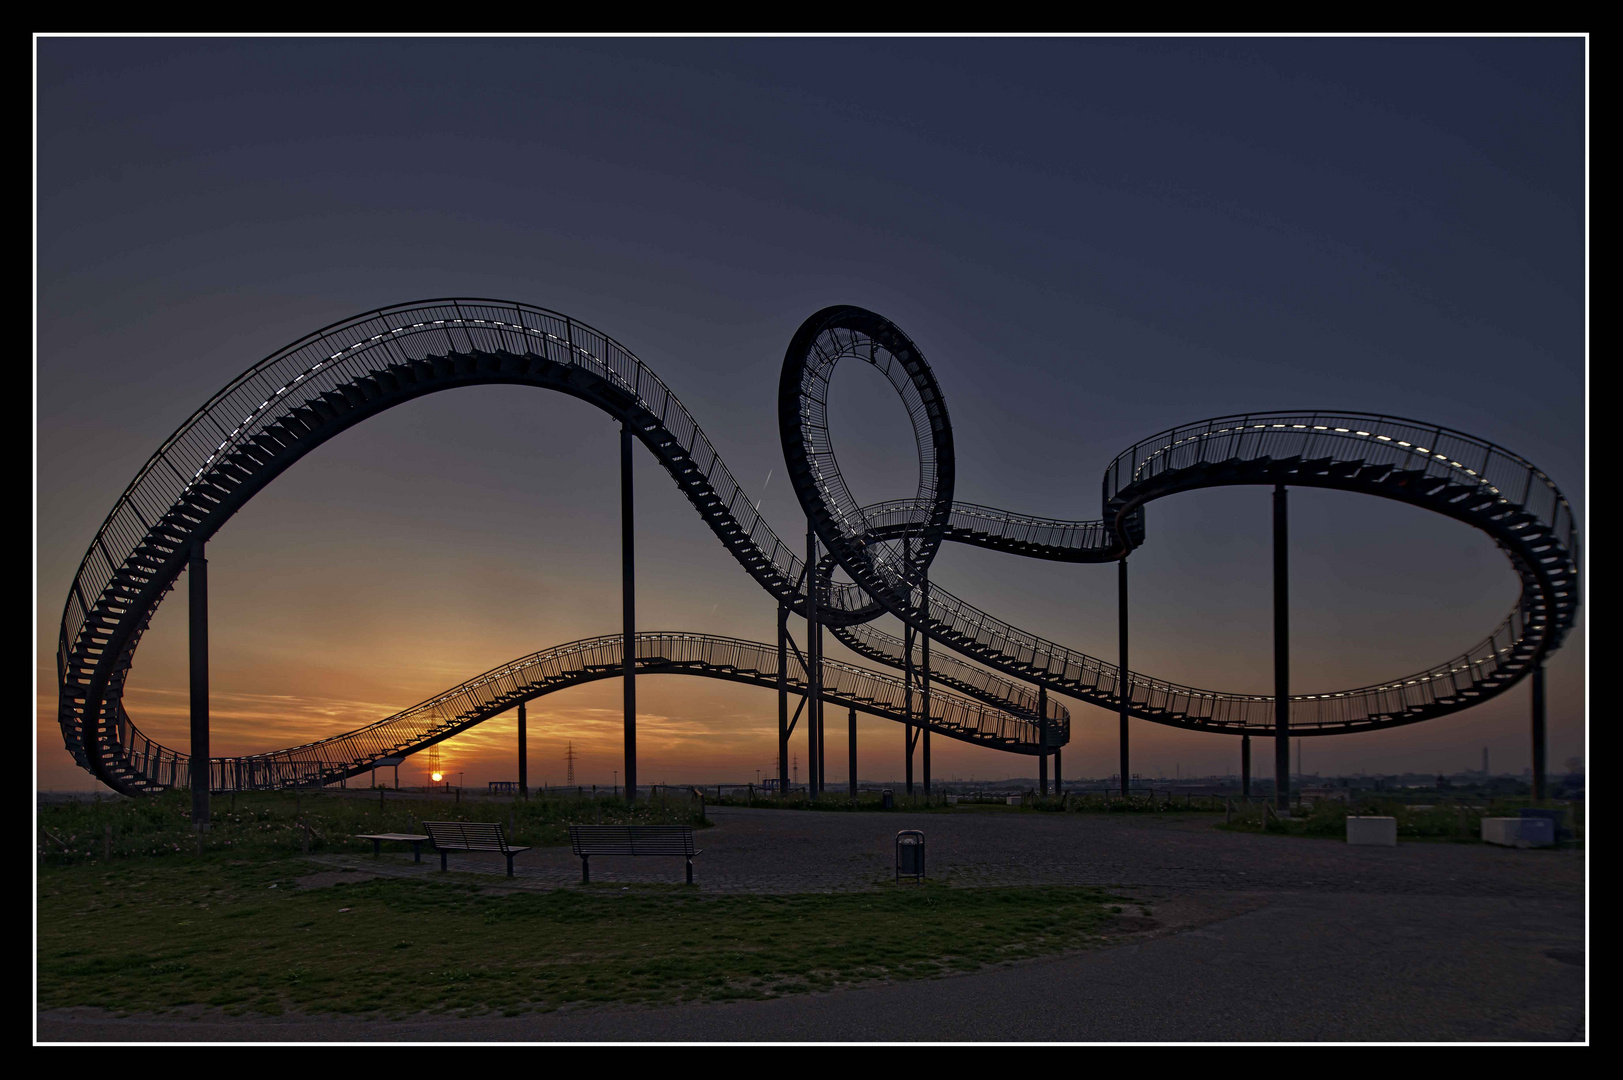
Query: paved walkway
[1260, 938]
[788, 851]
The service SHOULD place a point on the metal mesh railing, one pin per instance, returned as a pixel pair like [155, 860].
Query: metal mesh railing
[335, 357]
[1372, 438]
[501, 688]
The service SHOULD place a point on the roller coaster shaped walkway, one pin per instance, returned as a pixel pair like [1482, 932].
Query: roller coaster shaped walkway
[877, 557]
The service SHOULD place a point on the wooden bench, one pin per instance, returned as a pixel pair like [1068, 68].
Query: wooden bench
[589, 840]
[449, 836]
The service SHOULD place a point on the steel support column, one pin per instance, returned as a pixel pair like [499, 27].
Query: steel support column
[853, 753]
[1042, 738]
[907, 683]
[523, 750]
[628, 595]
[197, 594]
[924, 685]
[1282, 653]
[1122, 691]
[822, 732]
[1245, 765]
[814, 677]
[783, 699]
[1540, 765]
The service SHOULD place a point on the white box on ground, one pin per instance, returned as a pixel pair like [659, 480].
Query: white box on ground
[952, 800]
[1013, 800]
[1379, 831]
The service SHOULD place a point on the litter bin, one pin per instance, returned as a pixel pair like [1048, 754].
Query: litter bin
[910, 854]
[1556, 817]
[887, 799]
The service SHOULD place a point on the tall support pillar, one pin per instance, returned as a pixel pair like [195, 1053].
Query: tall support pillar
[1042, 722]
[628, 596]
[1282, 653]
[853, 763]
[523, 750]
[1540, 765]
[822, 731]
[783, 699]
[1123, 692]
[924, 688]
[907, 683]
[1245, 765]
[814, 677]
[197, 595]
[1042, 737]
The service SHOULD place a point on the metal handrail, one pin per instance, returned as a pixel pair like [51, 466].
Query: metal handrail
[501, 688]
[1450, 452]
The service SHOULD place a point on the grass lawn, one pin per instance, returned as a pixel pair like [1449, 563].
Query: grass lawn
[242, 934]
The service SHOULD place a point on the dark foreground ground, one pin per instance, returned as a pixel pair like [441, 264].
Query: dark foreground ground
[1256, 937]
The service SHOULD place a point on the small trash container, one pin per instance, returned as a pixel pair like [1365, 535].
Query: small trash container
[1556, 817]
[1535, 831]
[887, 799]
[910, 854]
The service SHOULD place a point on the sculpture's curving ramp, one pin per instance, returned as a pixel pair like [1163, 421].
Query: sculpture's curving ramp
[293, 401]
[982, 721]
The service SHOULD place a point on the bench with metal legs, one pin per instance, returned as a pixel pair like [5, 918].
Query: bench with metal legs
[589, 840]
[449, 836]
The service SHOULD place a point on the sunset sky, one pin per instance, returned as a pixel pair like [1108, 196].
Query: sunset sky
[1090, 240]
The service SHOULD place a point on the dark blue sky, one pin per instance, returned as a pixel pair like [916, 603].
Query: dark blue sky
[1092, 240]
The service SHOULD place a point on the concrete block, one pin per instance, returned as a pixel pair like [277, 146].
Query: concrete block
[1013, 800]
[1377, 831]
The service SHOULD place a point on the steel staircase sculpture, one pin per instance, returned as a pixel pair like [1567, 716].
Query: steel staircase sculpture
[287, 405]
